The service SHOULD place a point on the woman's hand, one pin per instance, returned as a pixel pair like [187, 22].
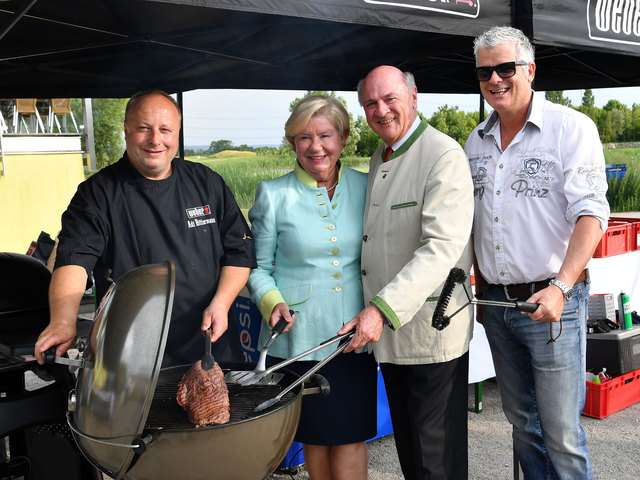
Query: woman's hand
[281, 310]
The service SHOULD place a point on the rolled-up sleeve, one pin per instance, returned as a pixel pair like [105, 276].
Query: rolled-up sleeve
[585, 172]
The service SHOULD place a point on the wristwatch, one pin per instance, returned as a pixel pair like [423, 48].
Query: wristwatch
[567, 291]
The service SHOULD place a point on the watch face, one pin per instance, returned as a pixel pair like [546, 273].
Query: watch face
[568, 294]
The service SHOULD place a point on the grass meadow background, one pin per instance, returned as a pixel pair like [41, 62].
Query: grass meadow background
[242, 171]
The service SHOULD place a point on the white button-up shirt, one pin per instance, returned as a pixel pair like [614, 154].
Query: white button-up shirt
[529, 197]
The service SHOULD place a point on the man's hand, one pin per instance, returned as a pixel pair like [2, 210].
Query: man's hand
[232, 279]
[216, 317]
[67, 286]
[368, 324]
[59, 335]
[551, 304]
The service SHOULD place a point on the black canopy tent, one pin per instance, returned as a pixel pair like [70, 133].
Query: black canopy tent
[113, 48]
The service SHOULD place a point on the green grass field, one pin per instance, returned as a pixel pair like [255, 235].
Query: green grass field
[244, 170]
[630, 156]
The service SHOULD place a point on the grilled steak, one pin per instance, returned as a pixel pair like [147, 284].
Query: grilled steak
[204, 395]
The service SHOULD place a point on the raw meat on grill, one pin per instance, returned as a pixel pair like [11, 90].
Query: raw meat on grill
[203, 394]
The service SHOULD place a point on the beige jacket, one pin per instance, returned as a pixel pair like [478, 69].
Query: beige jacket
[417, 226]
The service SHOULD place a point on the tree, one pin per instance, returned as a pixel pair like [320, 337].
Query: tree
[635, 122]
[614, 105]
[556, 96]
[588, 100]
[351, 146]
[219, 146]
[368, 141]
[244, 148]
[614, 122]
[108, 118]
[455, 123]
[266, 151]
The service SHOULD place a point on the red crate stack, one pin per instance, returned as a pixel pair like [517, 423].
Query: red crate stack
[612, 396]
[620, 237]
[634, 234]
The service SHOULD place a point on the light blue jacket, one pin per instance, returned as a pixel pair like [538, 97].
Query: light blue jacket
[308, 252]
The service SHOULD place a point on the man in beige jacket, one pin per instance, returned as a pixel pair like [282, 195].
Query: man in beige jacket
[417, 225]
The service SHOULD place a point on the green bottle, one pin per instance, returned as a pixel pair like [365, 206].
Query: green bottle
[625, 311]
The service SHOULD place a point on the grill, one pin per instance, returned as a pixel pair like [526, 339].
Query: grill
[166, 414]
[33, 433]
[124, 413]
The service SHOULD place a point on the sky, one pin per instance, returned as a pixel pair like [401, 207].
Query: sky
[257, 117]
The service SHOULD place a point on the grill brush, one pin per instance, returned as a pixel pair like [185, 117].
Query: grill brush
[456, 275]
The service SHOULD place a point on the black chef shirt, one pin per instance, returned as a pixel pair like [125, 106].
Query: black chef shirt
[118, 220]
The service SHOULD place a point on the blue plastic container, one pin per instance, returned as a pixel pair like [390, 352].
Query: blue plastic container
[617, 170]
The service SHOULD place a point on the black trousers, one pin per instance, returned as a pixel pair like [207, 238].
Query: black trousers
[428, 406]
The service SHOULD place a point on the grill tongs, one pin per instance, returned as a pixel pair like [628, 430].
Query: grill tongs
[457, 275]
[245, 377]
[344, 341]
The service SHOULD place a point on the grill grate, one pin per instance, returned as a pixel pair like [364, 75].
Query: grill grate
[165, 413]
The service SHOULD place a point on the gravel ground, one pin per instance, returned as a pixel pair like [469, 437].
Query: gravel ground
[614, 443]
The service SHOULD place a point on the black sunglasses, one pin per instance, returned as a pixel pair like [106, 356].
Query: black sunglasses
[504, 70]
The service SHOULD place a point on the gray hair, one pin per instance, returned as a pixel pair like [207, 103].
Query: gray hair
[408, 78]
[498, 35]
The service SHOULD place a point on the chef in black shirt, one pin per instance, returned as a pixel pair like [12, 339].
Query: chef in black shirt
[146, 208]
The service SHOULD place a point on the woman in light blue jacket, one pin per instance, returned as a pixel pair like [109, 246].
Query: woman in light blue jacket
[307, 227]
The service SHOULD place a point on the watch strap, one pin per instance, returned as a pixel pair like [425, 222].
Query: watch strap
[567, 291]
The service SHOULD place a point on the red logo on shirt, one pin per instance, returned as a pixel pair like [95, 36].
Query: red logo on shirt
[195, 212]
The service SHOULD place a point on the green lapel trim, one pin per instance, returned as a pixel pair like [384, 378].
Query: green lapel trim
[305, 177]
[411, 140]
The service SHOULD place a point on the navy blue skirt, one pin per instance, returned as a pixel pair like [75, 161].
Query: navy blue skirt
[349, 413]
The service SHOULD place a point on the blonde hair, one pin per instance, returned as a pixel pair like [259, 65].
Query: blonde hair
[317, 105]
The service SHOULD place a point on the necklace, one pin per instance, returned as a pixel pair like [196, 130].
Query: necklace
[331, 188]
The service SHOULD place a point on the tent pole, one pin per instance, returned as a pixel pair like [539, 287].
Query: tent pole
[17, 17]
[181, 136]
[89, 139]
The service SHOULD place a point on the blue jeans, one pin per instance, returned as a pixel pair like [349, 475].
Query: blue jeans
[542, 385]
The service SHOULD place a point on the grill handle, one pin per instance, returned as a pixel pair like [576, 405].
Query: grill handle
[139, 443]
[321, 387]
[50, 357]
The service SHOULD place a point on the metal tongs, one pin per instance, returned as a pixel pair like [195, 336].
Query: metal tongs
[344, 341]
[245, 377]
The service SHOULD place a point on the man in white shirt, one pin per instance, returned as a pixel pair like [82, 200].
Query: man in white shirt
[540, 211]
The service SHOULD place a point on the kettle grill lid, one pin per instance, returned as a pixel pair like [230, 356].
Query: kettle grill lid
[125, 348]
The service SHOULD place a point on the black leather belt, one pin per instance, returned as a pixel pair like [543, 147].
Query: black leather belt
[525, 290]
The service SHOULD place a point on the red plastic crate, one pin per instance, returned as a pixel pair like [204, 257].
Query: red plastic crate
[616, 240]
[634, 234]
[612, 396]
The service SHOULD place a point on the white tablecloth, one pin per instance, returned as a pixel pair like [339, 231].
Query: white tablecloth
[480, 361]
